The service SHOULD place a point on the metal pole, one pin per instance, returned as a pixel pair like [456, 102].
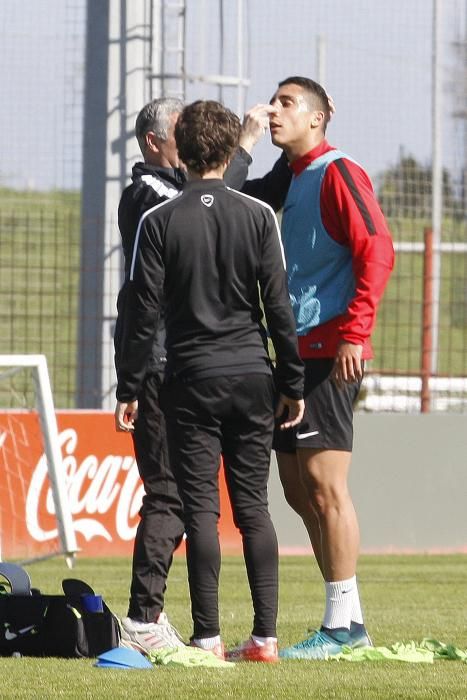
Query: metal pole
[427, 339]
[57, 479]
[321, 59]
[437, 174]
[156, 55]
[89, 360]
[115, 92]
[241, 97]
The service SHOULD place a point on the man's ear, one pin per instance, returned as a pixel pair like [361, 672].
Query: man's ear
[317, 118]
[152, 142]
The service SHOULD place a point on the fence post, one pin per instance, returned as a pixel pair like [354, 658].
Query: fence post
[427, 321]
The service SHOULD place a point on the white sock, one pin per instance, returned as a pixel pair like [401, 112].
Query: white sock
[139, 624]
[339, 596]
[356, 614]
[261, 641]
[207, 642]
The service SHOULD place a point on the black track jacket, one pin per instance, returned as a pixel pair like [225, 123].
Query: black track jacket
[209, 253]
[152, 185]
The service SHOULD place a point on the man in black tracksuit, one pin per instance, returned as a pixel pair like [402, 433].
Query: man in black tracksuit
[206, 252]
[161, 527]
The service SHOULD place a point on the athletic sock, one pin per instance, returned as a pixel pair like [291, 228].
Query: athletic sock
[356, 614]
[339, 595]
[261, 641]
[137, 624]
[208, 643]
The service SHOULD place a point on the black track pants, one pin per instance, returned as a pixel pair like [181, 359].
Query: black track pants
[232, 415]
[161, 527]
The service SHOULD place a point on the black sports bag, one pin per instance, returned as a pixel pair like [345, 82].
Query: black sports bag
[57, 625]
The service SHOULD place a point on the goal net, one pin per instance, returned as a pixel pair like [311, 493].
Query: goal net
[35, 519]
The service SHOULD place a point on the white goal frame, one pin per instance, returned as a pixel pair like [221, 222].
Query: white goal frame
[49, 430]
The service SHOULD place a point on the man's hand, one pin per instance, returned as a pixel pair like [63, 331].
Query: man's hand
[348, 364]
[125, 416]
[255, 125]
[295, 409]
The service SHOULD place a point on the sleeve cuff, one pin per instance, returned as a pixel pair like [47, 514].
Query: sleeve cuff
[245, 155]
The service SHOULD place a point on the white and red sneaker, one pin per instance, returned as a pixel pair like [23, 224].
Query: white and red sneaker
[253, 651]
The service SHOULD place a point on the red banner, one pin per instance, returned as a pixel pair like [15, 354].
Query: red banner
[103, 486]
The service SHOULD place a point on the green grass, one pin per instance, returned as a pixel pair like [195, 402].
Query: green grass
[405, 598]
[39, 283]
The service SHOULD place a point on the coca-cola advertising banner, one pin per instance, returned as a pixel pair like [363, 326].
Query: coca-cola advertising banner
[102, 483]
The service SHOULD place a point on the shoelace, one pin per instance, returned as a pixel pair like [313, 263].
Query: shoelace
[172, 634]
[316, 640]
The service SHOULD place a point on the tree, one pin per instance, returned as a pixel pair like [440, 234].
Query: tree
[405, 191]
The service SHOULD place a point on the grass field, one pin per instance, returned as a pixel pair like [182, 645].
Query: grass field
[405, 598]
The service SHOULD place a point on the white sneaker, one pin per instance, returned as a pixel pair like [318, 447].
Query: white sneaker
[144, 636]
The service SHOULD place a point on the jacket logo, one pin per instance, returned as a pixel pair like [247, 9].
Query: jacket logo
[207, 199]
[13, 635]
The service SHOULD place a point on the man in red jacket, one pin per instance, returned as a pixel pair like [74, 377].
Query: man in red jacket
[339, 256]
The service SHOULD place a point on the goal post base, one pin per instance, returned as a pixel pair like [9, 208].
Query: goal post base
[49, 432]
[70, 558]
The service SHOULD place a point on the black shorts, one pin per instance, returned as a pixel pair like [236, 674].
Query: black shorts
[328, 419]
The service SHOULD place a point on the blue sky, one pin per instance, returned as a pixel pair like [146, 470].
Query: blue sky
[377, 59]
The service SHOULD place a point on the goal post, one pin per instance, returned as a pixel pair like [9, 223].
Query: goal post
[50, 438]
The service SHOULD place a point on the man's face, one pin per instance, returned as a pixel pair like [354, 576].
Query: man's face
[290, 123]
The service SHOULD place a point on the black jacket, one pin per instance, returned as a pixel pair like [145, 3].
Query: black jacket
[152, 185]
[210, 253]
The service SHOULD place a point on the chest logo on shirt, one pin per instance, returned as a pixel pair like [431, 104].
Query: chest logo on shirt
[207, 199]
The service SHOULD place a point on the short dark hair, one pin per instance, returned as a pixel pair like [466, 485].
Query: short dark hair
[207, 135]
[318, 97]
